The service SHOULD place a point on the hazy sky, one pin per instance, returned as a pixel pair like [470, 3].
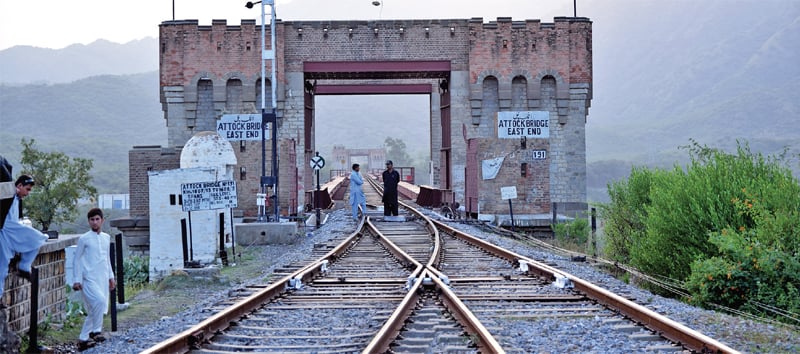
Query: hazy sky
[57, 24]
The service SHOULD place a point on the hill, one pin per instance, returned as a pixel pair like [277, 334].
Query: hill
[99, 118]
[713, 71]
[26, 64]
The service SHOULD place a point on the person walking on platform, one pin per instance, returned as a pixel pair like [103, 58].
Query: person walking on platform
[94, 278]
[18, 237]
[390, 180]
[356, 194]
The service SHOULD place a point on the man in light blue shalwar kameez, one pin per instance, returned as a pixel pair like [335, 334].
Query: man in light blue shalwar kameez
[16, 237]
[356, 194]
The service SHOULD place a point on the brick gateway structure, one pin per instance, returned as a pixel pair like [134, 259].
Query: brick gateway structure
[471, 70]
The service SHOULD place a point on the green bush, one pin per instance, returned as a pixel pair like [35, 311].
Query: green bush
[137, 271]
[575, 231]
[625, 215]
[726, 225]
[687, 205]
[756, 265]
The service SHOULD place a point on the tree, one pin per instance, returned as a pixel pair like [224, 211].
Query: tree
[60, 182]
[396, 151]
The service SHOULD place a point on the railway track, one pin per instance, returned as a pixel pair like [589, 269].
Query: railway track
[419, 286]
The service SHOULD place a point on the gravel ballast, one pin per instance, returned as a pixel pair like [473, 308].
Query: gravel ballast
[191, 300]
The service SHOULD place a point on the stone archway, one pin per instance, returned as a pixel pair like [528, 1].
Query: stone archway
[392, 77]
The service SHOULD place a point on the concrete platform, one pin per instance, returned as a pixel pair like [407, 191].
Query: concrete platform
[266, 233]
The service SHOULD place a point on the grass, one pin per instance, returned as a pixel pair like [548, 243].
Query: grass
[52, 333]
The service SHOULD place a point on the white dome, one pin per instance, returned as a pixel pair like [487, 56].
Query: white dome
[207, 149]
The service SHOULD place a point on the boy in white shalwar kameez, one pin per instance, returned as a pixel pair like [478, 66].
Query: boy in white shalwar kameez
[94, 277]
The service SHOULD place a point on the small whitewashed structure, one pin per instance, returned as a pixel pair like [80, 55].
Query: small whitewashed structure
[206, 157]
[114, 201]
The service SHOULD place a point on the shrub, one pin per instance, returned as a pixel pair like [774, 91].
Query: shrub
[575, 231]
[137, 271]
[625, 215]
[726, 227]
[756, 266]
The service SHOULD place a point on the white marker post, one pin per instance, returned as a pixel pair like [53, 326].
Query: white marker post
[509, 193]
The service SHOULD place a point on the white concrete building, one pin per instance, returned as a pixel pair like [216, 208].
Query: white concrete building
[206, 157]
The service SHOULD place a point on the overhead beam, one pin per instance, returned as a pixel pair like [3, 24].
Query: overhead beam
[376, 66]
[373, 89]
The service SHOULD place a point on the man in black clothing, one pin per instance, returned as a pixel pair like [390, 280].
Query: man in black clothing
[390, 180]
[7, 179]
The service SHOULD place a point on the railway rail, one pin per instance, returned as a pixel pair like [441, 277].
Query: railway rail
[411, 285]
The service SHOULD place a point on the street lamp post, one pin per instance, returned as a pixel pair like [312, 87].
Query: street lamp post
[271, 117]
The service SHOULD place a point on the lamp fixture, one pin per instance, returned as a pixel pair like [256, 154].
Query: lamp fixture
[300, 31]
[452, 31]
[325, 32]
[350, 32]
[427, 32]
[376, 31]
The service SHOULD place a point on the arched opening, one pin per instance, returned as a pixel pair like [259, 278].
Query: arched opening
[519, 94]
[491, 100]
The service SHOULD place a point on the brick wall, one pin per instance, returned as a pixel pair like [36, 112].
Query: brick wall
[533, 188]
[51, 263]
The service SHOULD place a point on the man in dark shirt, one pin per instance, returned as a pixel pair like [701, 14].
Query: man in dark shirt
[390, 180]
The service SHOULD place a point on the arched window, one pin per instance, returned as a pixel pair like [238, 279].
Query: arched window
[548, 91]
[233, 96]
[519, 94]
[206, 116]
[491, 99]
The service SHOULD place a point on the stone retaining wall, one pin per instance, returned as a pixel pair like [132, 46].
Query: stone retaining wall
[51, 263]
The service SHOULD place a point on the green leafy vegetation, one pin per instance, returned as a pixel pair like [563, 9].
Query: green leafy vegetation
[575, 231]
[758, 266]
[60, 182]
[726, 226]
[137, 271]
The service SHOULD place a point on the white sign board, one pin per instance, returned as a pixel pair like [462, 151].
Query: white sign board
[208, 195]
[317, 162]
[508, 192]
[528, 124]
[234, 127]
